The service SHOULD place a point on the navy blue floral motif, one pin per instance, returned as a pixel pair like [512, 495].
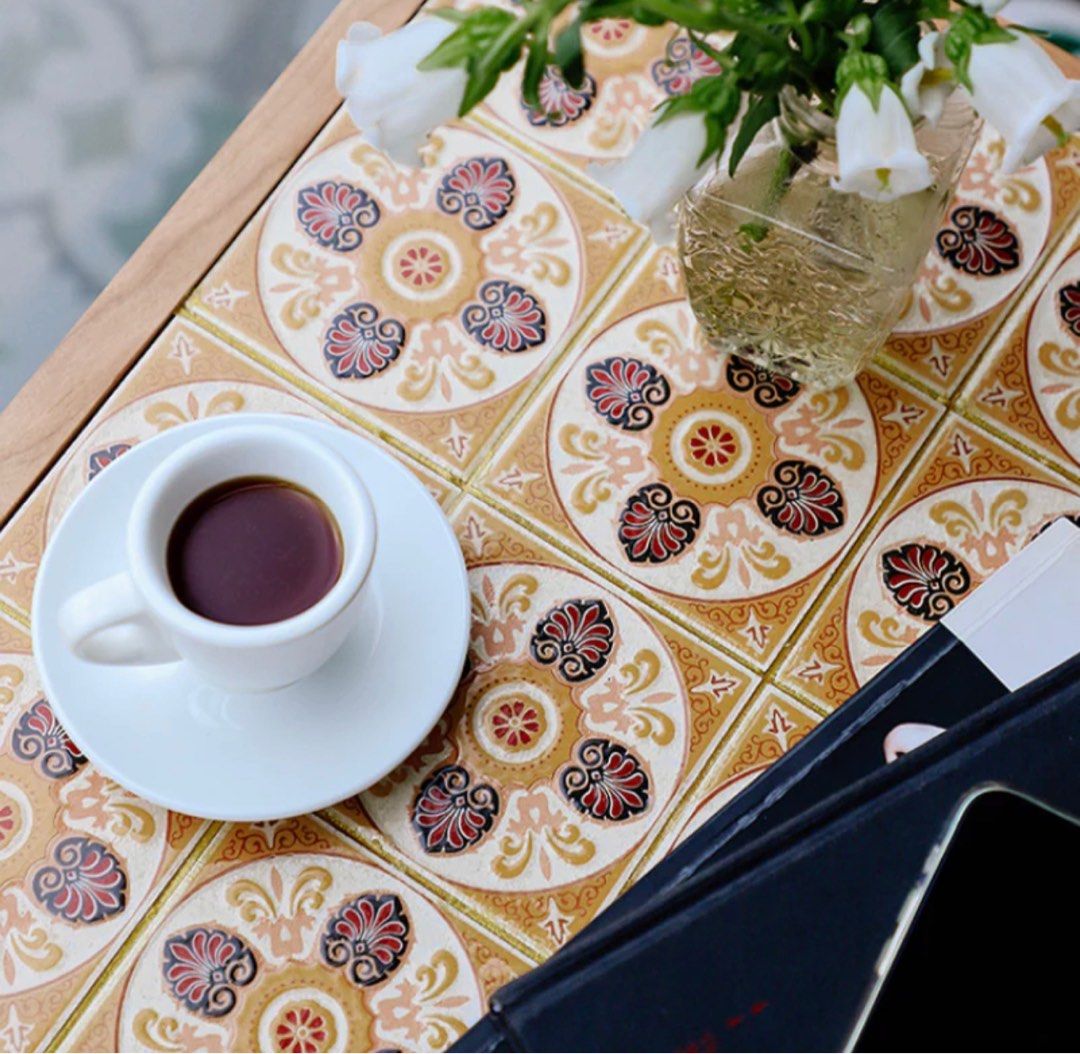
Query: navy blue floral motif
[85, 882]
[335, 213]
[624, 390]
[203, 967]
[480, 190]
[507, 318]
[359, 344]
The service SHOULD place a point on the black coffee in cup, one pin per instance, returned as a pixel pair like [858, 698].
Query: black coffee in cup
[253, 550]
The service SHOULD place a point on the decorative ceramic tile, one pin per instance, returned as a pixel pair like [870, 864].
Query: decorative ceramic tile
[428, 300]
[80, 857]
[773, 723]
[578, 722]
[631, 70]
[1029, 383]
[186, 375]
[964, 510]
[288, 938]
[996, 231]
[722, 492]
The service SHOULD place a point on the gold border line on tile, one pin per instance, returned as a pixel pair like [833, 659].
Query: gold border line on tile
[1036, 454]
[607, 293]
[1031, 288]
[426, 880]
[646, 857]
[520, 405]
[312, 391]
[630, 589]
[195, 856]
[14, 614]
[856, 549]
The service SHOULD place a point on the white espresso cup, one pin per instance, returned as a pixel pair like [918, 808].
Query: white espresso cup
[135, 618]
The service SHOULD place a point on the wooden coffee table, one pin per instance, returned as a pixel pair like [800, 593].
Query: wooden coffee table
[695, 667]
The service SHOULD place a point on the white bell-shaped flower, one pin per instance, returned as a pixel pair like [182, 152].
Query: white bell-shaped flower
[392, 102]
[875, 146]
[1017, 88]
[926, 87]
[660, 169]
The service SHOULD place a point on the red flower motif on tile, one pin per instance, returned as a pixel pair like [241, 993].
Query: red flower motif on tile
[803, 500]
[204, 967]
[924, 580]
[480, 189]
[516, 724]
[560, 104]
[359, 345]
[979, 242]
[369, 936]
[609, 784]
[38, 736]
[449, 814]
[654, 526]
[102, 459]
[85, 883]
[684, 64]
[302, 1031]
[622, 390]
[421, 265]
[610, 30]
[712, 445]
[575, 637]
[507, 318]
[769, 390]
[1069, 302]
[334, 214]
[8, 820]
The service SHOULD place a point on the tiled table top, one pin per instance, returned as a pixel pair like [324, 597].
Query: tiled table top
[505, 328]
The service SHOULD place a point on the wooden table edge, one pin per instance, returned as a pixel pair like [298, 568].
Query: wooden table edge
[64, 392]
[60, 397]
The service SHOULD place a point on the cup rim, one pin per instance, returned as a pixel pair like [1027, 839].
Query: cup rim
[351, 501]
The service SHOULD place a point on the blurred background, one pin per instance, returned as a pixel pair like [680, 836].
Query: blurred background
[109, 108]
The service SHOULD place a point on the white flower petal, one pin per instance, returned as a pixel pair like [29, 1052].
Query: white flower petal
[876, 151]
[1019, 90]
[660, 169]
[395, 104]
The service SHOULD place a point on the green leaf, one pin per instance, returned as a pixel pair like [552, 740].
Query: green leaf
[760, 112]
[894, 34]
[568, 55]
[474, 35]
[536, 61]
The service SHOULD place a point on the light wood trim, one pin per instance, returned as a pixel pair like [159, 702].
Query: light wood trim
[44, 416]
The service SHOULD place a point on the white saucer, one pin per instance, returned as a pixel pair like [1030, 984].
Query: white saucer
[187, 745]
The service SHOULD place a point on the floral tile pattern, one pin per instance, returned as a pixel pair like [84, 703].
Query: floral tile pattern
[721, 491]
[632, 69]
[186, 375]
[994, 235]
[80, 857]
[288, 939]
[962, 512]
[772, 724]
[427, 300]
[1028, 385]
[678, 563]
[578, 721]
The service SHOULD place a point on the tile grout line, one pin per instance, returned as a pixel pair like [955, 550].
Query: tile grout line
[992, 428]
[646, 858]
[153, 910]
[350, 829]
[311, 390]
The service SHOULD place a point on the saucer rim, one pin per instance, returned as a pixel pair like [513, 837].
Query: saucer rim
[322, 801]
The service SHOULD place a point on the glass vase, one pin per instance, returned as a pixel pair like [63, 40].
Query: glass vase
[798, 277]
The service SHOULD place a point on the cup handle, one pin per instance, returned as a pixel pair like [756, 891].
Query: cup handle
[109, 623]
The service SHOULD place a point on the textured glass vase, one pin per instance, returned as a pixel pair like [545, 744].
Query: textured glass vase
[798, 277]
